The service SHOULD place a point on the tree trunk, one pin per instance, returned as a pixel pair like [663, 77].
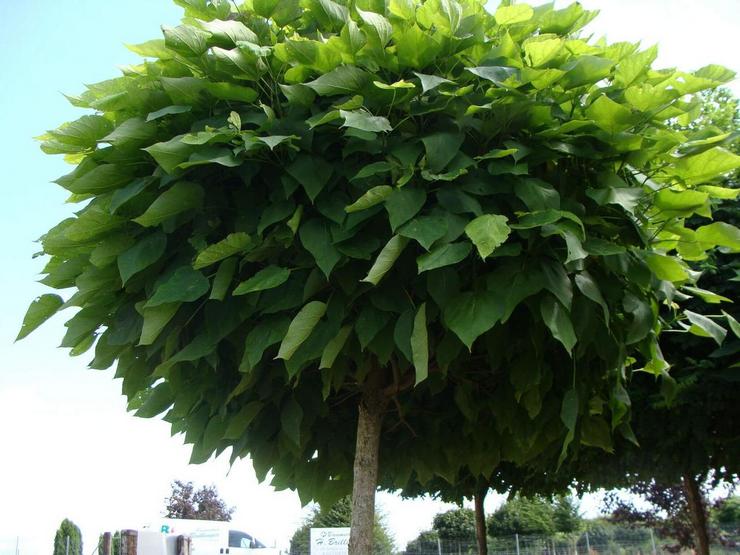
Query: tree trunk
[698, 514]
[369, 424]
[480, 520]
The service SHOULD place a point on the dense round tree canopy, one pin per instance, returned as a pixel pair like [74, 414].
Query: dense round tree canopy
[292, 205]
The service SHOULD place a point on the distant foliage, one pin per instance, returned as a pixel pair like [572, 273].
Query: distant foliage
[68, 529]
[338, 516]
[115, 547]
[457, 524]
[202, 504]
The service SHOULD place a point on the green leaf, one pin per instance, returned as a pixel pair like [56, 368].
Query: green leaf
[142, 255]
[385, 260]
[317, 240]
[133, 131]
[734, 325]
[168, 111]
[239, 423]
[705, 327]
[379, 24]
[170, 154]
[234, 243]
[129, 192]
[509, 15]
[707, 296]
[470, 315]
[431, 82]
[267, 278]
[557, 319]
[610, 116]
[342, 80]
[441, 148]
[179, 198]
[100, 179]
[291, 417]
[666, 267]
[186, 40]
[159, 399]
[416, 48]
[590, 289]
[221, 282]
[185, 285]
[487, 233]
[420, 345]
[40, 310]
[311, 172]
[569, 417]
[705, 166]
[680, 201]
[365, 121]
[404, 204]
[155, 319]
[719, 234]
[507, 77]
[444, 255]
[230, 91]
[300, 328]
[334, 347]
[266, 333]
[425, 230]
[585, 70]
[373, 196]
[84, 132]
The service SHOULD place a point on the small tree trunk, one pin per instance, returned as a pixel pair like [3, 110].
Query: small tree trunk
[480, 520]
[369, 424]
[698, 514]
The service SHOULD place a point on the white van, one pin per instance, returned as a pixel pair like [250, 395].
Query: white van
[212, 537]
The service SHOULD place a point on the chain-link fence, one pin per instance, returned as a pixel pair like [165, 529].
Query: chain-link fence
[632, 542]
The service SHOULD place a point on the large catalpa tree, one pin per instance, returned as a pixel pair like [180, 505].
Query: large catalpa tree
[315, 232]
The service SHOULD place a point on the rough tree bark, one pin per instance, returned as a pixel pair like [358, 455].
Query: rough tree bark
[480, 519]
[369, 424]
[698, 514]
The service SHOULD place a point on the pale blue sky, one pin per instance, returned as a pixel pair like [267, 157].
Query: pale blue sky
[62, 427]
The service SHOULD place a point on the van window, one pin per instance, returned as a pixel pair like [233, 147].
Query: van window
[242, 539]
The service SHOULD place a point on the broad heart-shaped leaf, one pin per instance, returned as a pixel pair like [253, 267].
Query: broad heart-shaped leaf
[420, 345]
[185, 285]
[706, 166]
[385, 260]
[170, 154]
[425, 230]
[168, 111]
[40, 310]
[311, 172]
[373, 196]
[611, 116]
[705, 327]
[300, 328]
[508, 15]
[404, 204]
[666, 267]
[267, 278]
[316, 238]
[719, 234]
[232, 244]
[556, 318]
[498, 75]
[470, 315]
[83, 132]
[343, 80]
[487, 233]
[159, 399]
[444, 255]
[431, 82]
[365, 121]
[142, 255]
[103, 178]
[416, 48]
[186, 40]
[379, 24]
[441, 148]
[181, 197]
[155, 319]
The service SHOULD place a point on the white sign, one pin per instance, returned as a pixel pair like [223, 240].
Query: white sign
[329, 541]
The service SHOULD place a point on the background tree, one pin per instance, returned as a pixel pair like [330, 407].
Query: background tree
[534, 516]
[316, 233]
[202, 504]
[68, 534]
[456, 525]
[115, 546]
[338, 515]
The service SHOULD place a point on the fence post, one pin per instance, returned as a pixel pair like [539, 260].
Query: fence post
[183, 545]
[129, 542]
[66, 549]
[106, 543]
[516, 537]
[439, 547]
[652, 540]
[588, 545]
